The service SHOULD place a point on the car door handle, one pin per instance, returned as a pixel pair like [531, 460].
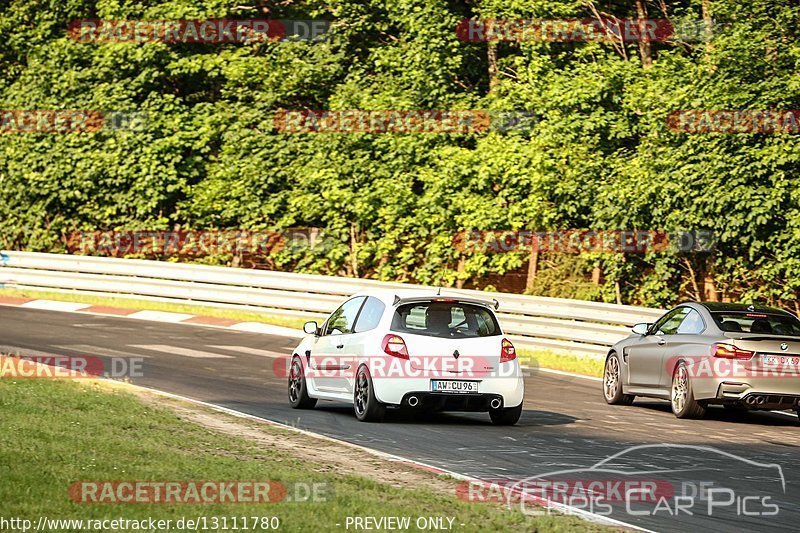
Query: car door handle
[340, 346]
[661, 342]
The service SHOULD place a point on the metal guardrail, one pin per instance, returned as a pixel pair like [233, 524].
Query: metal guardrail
[536, 322]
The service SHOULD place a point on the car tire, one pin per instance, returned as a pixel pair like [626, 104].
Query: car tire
[612, 382]
[681, 395]
[298, 389]
[506, 417]
[365, 404]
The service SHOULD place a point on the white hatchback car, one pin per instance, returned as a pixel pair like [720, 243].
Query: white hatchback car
[414, 349]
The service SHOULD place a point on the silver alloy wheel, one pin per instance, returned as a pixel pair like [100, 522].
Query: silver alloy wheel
[362, 393]
[680, 389]
[295, 377]
[611, 377]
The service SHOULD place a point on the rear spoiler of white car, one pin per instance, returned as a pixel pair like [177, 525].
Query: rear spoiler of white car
[446, 298]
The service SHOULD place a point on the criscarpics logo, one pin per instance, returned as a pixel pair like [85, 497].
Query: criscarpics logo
[652, 480]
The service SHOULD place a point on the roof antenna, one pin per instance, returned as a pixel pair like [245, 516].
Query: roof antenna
[439, 291]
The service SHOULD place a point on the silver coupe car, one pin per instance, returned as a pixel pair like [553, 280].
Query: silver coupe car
[744, 357]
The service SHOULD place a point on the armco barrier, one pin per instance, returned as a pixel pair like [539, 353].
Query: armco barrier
[536, 322]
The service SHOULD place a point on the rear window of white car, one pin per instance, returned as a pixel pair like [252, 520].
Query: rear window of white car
[447, 320]
[757, 323]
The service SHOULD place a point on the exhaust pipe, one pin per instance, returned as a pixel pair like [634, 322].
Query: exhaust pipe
[413, 401]
[761, 400]
[496, 403]
[751, 400]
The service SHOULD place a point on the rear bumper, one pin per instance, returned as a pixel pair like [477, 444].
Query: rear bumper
[436, 401]
[757, 398]
[729, 381]
[510, 390]
[755, 394]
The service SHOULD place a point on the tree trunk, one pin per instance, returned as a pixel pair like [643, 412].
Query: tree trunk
[709, 289]
[708, 23]
[645, 50]
[462, 264]
[597, 273]
[492, 57]
[353, 250]
[693, 279]
[707, 19]
[533, 267]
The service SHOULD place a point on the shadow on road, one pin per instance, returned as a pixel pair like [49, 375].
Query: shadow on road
[530, 418]
[720, 414]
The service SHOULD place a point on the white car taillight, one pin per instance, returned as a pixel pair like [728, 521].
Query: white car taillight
[395, 346]
[507, 351]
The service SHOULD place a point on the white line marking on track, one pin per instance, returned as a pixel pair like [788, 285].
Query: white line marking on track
[251, 351]
[159, 316]
[17, 350]
[97, 350]
[562, 373]
[268, 329]
[175, 350]
[53, 305]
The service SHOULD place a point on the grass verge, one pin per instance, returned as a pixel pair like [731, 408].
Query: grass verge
[588, 366]
[59, 432]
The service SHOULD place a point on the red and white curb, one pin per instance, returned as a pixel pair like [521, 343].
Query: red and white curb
[154, 316]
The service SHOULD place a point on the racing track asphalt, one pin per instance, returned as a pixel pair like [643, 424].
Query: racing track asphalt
[565, 424]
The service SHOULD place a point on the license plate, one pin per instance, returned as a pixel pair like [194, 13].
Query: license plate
[454, 386]
[782, 361]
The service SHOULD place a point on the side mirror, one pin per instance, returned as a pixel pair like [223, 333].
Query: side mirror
[310, 327]
[641, 328]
